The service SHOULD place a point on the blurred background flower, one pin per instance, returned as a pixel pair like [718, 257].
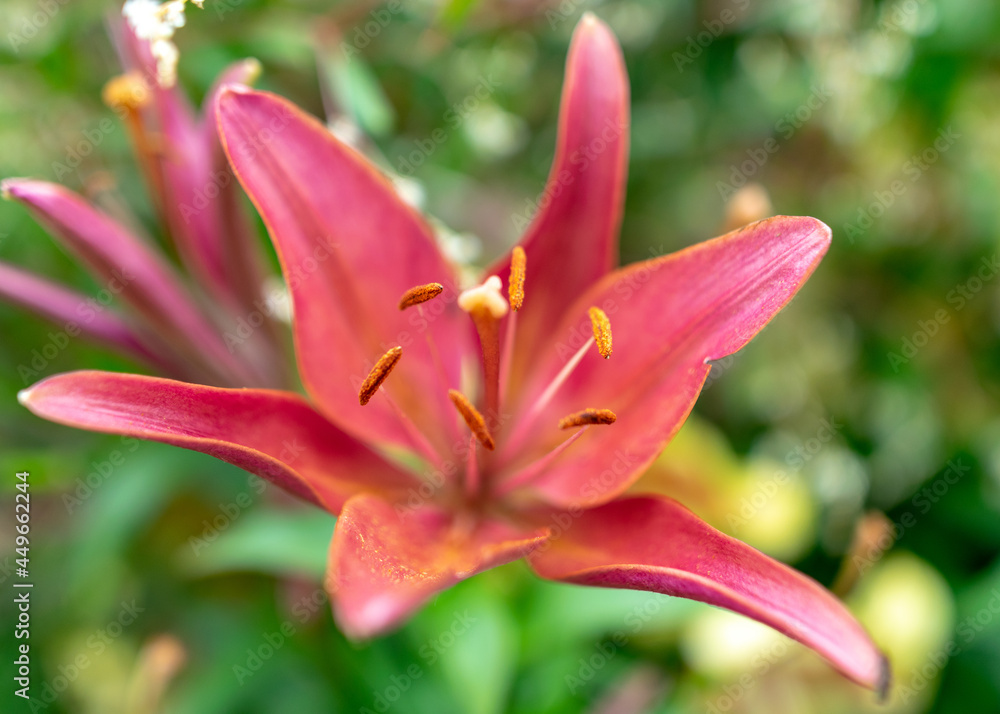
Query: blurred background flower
[166, 581]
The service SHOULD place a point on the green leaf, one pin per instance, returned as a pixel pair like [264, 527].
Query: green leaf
[266, 541]
[357, 92]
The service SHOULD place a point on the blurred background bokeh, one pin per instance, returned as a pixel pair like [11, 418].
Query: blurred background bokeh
[858, 438]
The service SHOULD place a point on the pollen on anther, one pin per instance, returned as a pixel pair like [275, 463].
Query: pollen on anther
[379, 374]
[419, 294]
[472, 417]
[518, 267]
[602, 330]
[127, 90]
[588, 417]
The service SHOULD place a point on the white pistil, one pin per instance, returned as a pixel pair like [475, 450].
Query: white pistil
[486, 297]
[486, 306]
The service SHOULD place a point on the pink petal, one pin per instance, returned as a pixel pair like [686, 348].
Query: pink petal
[273, 434]
[573, 239]
[127, 267]
[73, 312]
[207, 219]
[655, 544]
[134, 54]
[387, 560]
[182, 181]
[669, 316]
[241, 267]
[349, 248]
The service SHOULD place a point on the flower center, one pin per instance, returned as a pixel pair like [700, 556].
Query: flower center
[488, 308]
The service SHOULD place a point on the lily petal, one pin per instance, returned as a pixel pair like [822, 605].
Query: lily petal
[670, 316]
[213, 234]
[387, 560]
[655, 544]
[273, 434]
[349, 248]
[573, 239]
[208, 220]
[129, 268]
[183, 171]
[237, 255]
[63, 307]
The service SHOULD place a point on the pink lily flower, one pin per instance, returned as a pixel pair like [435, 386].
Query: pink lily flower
[454, 431]
[167, 325]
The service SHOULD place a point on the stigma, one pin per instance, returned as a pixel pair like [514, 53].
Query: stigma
[485, 299]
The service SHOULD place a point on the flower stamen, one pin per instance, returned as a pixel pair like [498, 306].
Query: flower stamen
[379, 373]
[420, 294]
[588, 417]
[128, 91]
[473, 419]
[602, 330]
[518, 266]
[518, 270]
[127, 95]
[415, 297]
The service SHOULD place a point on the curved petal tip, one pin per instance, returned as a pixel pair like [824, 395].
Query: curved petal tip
[884, 679]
